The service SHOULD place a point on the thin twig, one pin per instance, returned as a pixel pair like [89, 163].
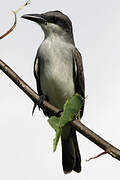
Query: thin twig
[107, 147]
[15, 21]
[11, 29]
[19, 9]
[99, 155]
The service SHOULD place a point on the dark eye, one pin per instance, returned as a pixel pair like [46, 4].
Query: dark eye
[55, 18]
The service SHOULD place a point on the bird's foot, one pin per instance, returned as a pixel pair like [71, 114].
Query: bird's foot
[41, 99]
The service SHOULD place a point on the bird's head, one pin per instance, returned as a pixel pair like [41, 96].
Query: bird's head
[52, 22]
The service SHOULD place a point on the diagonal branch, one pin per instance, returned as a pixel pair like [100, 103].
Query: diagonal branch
[107, 147]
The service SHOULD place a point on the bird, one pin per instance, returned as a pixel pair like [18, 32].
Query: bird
[58, 70]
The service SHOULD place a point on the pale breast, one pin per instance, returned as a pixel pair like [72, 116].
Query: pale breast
[56, 72]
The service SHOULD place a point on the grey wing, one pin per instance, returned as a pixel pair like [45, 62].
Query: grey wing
[78, 74]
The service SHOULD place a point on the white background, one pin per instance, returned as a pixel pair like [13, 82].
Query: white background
[26, 140]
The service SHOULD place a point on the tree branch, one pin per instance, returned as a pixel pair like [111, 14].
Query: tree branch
[15, 21]
[107, 147]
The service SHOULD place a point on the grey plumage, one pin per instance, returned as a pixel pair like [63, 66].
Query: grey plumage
[59, 74]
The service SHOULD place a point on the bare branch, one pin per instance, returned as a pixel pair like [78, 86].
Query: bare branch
[99, 155]
[28, 2]
[15, 21]
[107, 147]
[11, 29]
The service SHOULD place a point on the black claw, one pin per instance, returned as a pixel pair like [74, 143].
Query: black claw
[34, 108]
[41, 99]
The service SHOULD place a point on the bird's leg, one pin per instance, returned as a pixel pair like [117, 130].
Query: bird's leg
[41, 99]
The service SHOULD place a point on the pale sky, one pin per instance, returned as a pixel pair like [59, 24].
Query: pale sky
[26, 140]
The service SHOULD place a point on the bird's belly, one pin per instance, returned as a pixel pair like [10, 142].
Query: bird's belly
[57, 83]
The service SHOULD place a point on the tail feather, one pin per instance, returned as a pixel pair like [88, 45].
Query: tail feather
[77, 166]
[71, 158]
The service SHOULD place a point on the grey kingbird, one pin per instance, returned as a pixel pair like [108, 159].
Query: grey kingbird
[59, 74]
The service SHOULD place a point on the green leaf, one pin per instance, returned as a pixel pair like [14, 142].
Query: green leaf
[71, 111]
[54, 122]
[56, 139]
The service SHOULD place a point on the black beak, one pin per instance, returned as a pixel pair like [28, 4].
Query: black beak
[35, 17]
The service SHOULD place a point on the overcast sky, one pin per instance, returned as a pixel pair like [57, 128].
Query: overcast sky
[26, 140]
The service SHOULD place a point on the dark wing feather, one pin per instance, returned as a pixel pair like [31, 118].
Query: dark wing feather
[78, 74]
[37, 75]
